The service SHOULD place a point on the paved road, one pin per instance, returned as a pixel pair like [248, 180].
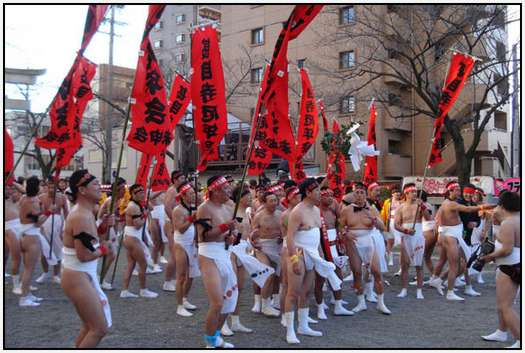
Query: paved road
[152, 323]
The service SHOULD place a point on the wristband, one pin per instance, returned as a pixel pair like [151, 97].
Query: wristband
[48, 213]
[102, 228]
[191, 219]
[224, 227]
[103, 250]
[423, 207]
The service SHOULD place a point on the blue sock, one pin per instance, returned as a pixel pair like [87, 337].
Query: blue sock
[211, 340]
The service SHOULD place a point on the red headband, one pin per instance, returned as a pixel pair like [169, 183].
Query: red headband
[409, 189]
[312, 186]
[372, 186]
[452, 186]
[292, 192]
[275, 188]
[184, 189]
[468, 190]
[217, 183]
[325, 193]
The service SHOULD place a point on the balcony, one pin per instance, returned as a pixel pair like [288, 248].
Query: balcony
[390, 123]
[395, 165]
[388, 69]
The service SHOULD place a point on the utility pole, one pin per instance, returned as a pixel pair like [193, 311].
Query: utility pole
[515, 163]
[109, 116]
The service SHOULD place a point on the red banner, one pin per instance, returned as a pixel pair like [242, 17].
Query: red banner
[143, 171]
[9, 154]
[160, 178]
[323, 114]
[208, 94]
[370, 174]
[94, 18]
[308, 126]
[150, 128]
[179, 100]
[460, 68]
[336, 170]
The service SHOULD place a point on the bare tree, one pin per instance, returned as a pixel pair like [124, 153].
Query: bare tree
[410, 45]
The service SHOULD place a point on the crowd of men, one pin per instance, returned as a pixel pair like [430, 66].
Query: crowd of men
[290, 240]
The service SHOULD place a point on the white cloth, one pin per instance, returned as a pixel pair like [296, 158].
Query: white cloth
[159, 214]
[513, 258]
[272, 248]
[475, 239]
[394, 232]
[309, 241]
[58, 228]
[33, 230]
[221, 257]
[358, 149]
[428, 225]
[456, 232]
[90, 267]
[380, 249]
[414, 244]
[258, 271]
[131, 231]
[364, 245]
[14, 226]
[187, 241]
[339, 261]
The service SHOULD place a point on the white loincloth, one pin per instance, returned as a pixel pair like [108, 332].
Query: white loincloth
[159, 214]
[339, 261]
[131, 231]
[394, 232]
[32, 230]
[457, 233]
[272, 248]
[187, 241]
[14, 226]
[475, 239]
[428, 225]
[309, 241]
[58, 228]
[71, 262]
[364, 245]
[258, 271]
[414, 244]
[221, 257]
[380, 249]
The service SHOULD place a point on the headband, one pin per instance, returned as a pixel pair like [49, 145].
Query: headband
[217, 183]
[294, 190]
[410, 189]
[184, 189]
[373, 185]
[478, 191]
[468, 190]
[325, 193]
[85, 179]
[452, 186]
[275, 188]
[312, 186]
[177, 175]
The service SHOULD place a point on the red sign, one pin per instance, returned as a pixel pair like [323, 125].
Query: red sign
[460, 68]
[179, 100]
[143, 171]
[370, 174]
[208, 94]
[9, 154]
[94, 17]
[161, 177]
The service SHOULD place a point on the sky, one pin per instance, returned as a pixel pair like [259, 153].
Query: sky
[48, 37]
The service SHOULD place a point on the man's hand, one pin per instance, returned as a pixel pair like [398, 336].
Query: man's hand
[409, 231]
[472, 225]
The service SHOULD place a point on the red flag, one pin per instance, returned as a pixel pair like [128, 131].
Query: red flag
[260, 157]
[94, 18]
[150, 129]
[208, 94]
[143, 171]
[336, 173]
[160, 178]
[370, 174]
[179, 100]
[308, 126]
[9, 154]
[325, 120]
[460, 68]
[335, 127]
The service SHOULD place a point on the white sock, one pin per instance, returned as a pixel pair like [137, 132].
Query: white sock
[16, 280]
[235, 320]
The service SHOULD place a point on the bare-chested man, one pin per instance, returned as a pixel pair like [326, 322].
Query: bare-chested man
[258, 202]
[412, 238]
[360, 221]
[451, 236]
[156, 225]
[13, 231]
[330, 214]
[303, 238]
[54, 203]
[267, 239]
[102, 219]
[135, 241]
[388, 214]
[185, 247]
[214, 224]
[82, 249]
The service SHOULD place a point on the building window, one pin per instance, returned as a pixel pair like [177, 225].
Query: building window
[157, 44]
[180, 19]
[256, 75]
[347, 105]
[346, 59]
[258, 36]
[158, 26]
[180, 58]
[500, 121]
[346, 15]
[394, 99]
[394, 147]
[179, 38]
[300, 63]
